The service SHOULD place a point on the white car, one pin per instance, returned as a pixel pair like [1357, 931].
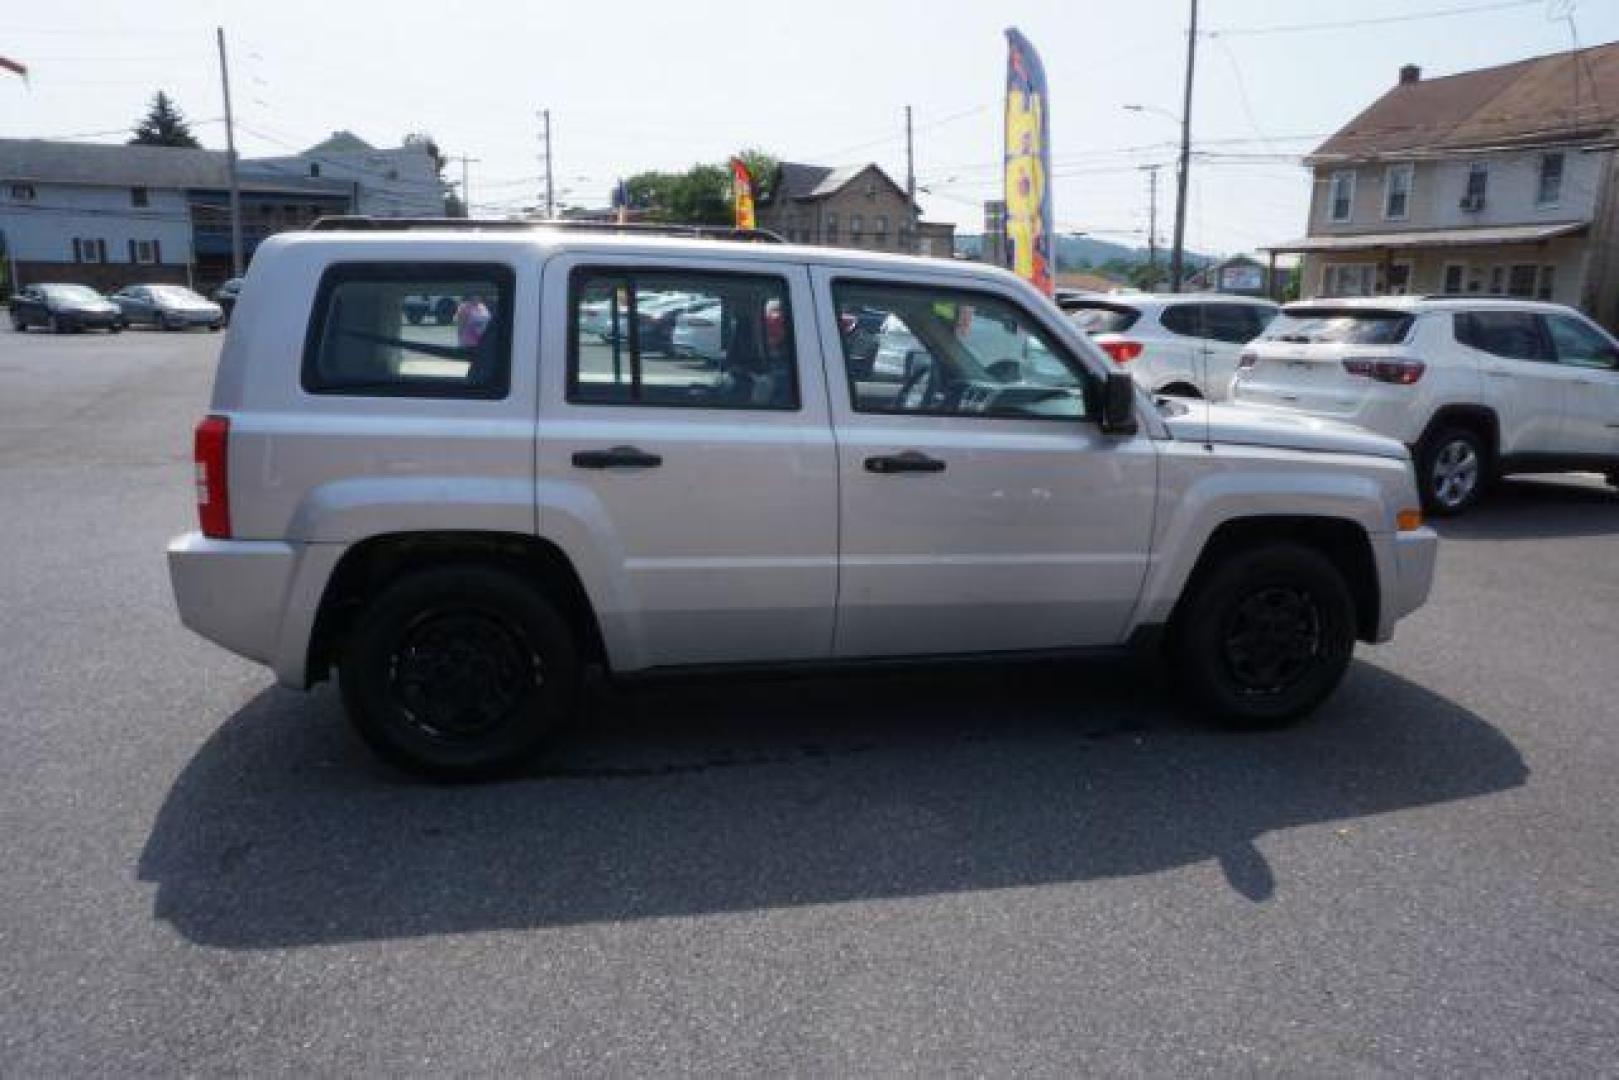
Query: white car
[1181, 344]
[1477, 388]
[697, 331]
[461, 531]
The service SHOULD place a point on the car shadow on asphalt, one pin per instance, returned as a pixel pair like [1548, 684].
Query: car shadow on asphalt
[1539, 508]
[742, 796]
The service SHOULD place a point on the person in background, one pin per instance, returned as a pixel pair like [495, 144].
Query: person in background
[471, 320]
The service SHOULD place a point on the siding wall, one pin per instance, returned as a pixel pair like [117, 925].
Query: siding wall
[41, 230]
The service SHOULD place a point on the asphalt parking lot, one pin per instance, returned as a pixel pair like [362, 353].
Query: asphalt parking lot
[1041, 870]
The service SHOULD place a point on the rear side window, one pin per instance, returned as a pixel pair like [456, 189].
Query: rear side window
[1339, 326]
[681, 339]
[1183, 319]
[1515, 335]
[1096, 318]
[1236, 324]
[411, 330]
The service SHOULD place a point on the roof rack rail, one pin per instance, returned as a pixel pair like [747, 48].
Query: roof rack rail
[361, 223]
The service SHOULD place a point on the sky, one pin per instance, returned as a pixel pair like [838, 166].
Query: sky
[639, 85]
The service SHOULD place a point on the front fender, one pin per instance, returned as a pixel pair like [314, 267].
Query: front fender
[1203, 488]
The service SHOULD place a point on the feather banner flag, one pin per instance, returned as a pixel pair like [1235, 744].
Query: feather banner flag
[1029, 239]
[742, 194]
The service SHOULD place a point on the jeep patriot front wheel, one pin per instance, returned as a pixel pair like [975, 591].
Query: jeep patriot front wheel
[1267, 635]
[459, 672]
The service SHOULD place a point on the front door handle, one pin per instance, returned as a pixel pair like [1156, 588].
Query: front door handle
[619, 457]
[910, 461]
[1498, 373]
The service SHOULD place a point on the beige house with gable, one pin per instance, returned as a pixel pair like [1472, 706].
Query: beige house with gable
[1497, 182]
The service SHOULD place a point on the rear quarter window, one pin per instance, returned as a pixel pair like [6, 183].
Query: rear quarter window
[411, 330]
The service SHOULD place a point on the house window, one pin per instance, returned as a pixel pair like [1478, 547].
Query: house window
[1550, 189]
[830, 229]
[1548, 283]
[143, 251]
[1455, 276]
[1397, 192]
[1498, 280]
[1521, 280]
[22, 192]
[1341, 196]
[89, 250]
[857, 225]
[138, 197]
[1478, 182]
[314, 168]
[880, 227]
[1349, 279]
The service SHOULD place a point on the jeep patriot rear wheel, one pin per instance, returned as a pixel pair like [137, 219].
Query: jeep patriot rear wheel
[458, 672]
[1266, 637]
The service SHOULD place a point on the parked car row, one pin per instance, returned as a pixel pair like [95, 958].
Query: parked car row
[67, 308]
[1475, 388]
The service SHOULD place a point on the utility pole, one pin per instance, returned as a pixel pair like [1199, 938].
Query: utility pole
[550, 196]
[466, 184]
[1152, 222]
[910, 183]
[1177, 254]
[230, 157]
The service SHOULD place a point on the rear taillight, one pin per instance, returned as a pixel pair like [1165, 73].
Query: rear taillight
[1398, 372]
[211, 452]
[1122, 352]
[1247, 360]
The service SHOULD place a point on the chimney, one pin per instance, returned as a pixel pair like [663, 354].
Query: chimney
[1410, 74]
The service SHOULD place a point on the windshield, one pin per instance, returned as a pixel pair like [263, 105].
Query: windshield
[1338, 326]
[175, 292]
[1102, 318]
[75, 293]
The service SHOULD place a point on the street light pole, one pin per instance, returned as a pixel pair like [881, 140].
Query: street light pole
[230, 159]
[1177, 254]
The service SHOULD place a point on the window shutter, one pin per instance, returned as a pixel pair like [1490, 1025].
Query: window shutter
[101, 250]
[78, 250]
[132, 256]
[157, 252]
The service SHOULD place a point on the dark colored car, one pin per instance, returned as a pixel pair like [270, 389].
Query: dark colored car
[63, 308]
[225, 296]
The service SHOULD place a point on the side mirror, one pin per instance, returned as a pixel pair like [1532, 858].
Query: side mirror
[1119, 404]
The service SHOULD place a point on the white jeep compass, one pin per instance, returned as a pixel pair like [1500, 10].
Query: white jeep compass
[459, 518]
[1477, 388]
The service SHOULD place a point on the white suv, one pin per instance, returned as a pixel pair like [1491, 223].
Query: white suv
[1477, 388]
[459, 519]
[1182, 344]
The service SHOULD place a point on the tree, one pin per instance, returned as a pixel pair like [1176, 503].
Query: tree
[164, 125]
[699, 196]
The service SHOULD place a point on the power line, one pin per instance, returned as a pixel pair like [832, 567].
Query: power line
[1383, 20]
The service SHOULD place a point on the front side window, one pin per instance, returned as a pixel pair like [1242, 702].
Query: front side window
[411, 330]
[1514, 335]
[1341, 195]
[1397, 192]
[947, 352]
[1550, 188]
[1581, 345]
[681, 339]
[1233, 324]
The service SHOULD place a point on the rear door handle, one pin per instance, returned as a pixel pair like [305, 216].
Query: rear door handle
[619, 457]
[910, 461]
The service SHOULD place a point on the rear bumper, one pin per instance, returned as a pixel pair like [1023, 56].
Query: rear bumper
[1406, 569]
[257, 598]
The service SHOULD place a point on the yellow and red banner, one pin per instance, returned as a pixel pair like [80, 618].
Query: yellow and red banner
[1030, 242]
[742, 194]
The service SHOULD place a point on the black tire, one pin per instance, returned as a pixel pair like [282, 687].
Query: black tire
[19, 325]
[413, 316]
[1265, 637]
[213, 328]
[1180, 389]
[55, 325]
[459, 673]
[444, 311]
[1444, 461]
[116, 328]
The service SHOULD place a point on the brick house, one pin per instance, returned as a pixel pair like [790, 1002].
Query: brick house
[856, 206]
[1500, 181]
